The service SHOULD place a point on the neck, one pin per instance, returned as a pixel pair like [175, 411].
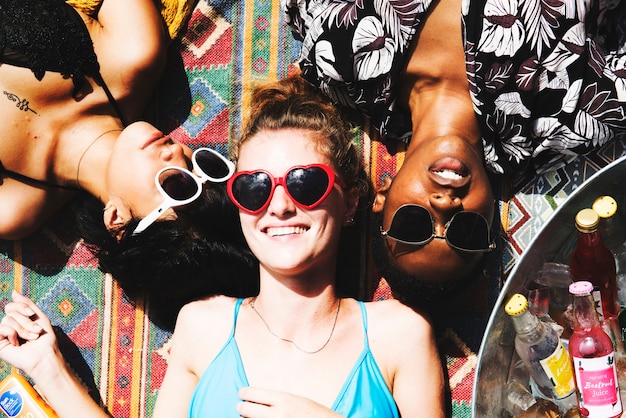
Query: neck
[92, 164]
[309, 283]
[300, 292]
[305, 320]
[444, 113]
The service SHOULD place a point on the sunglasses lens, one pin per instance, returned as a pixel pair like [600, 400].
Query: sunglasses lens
[307, 186]
[468, 231]
[411, 224]
[252, 190]
[212, 165]
[177, 184]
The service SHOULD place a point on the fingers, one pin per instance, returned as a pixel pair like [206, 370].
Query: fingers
[258, 395]
[22, 320]
[30, 306]
[256, 402]
[17, 325]
[254, 410]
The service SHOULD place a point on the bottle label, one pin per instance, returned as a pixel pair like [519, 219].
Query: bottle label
[558, 368]
[597, 386]
[11, 403]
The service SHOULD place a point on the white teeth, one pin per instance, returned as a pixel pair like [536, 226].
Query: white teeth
[449, 174]
[285, 230]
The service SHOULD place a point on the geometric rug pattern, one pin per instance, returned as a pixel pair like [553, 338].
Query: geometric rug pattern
[227, 48]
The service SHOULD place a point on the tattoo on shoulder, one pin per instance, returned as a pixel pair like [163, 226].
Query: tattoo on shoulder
[21, 104]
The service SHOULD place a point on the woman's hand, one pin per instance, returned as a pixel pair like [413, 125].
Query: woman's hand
[28, 342]
[264, 403]
[26, 335]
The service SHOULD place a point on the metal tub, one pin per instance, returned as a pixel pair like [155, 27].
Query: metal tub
[550, 245]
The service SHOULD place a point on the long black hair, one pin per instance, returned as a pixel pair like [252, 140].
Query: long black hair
[199, 254]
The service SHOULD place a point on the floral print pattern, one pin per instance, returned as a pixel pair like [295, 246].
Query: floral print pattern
[547, 77]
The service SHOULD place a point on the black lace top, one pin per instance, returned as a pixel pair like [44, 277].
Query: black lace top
[49, 35]
[46, 35]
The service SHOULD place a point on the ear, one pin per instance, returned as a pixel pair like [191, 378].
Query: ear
[381, 195]
[352, 203]
[116, 214]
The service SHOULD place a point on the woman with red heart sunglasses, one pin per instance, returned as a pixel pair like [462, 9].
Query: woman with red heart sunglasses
[297, 346]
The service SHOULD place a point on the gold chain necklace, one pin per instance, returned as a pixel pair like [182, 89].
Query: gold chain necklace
[80, 160]
[293, 342]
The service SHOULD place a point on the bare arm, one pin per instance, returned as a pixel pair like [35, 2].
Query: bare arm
[404, 347]
[29, 208]
[37, 354]
[418, 387]
[180, 379]
[132, 26]
[178, 385]
[130, 39]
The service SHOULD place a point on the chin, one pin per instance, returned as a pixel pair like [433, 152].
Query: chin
[420, 291]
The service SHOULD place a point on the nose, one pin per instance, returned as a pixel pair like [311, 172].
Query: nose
[444, 204]
[174, 154]
[445, 201]
[280, 202]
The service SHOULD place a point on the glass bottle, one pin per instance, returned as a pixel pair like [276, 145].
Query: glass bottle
[541, 351]
[592, 353]
[592, 261]
[613, 232]
[611, 226]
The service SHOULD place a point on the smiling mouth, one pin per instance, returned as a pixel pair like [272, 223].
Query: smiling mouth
[285, 230]
[449, 172]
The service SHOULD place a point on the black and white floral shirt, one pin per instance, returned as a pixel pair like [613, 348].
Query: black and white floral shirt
[547, 77]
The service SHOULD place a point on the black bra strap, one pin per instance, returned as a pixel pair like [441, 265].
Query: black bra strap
[112, 100]
[31, 181]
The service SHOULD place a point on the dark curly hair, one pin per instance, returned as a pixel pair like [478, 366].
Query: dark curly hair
[173, 262]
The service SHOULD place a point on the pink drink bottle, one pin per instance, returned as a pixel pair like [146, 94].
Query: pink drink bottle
[592, 261]
[592, 353]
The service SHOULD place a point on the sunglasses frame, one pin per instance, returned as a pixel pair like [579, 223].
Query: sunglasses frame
[170, 202]
[434, 235]
[280, 181]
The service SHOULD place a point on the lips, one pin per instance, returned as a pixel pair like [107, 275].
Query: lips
[449, 172]
[155, 136]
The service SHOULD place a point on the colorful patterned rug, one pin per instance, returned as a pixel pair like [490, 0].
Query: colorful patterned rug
[228, 47]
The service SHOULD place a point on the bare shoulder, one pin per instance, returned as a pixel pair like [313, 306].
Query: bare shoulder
[123, 27]
[212, 305]
[212, 315]
[391, 319]
[202, 328]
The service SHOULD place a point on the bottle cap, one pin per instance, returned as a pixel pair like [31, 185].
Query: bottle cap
[517, 305]
[587, 220]
[581, 288]
[605, 206]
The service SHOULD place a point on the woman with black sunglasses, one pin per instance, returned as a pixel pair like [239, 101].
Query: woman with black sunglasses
[296, 346]
[469, 90]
